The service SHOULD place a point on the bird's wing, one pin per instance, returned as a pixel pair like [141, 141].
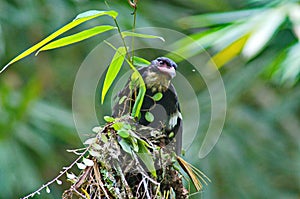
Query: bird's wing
[175, 121]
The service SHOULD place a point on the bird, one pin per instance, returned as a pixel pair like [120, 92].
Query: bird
[160, 100]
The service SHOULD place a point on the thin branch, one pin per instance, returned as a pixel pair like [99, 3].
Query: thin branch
[66, 169]
[123, 40]
[98, 179]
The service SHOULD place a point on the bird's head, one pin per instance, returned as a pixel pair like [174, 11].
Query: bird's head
[165, 66]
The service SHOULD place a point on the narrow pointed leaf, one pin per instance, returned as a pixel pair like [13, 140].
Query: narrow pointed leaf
[142, 88]
[123, 133]
[76, 37]
[213, 19]
[113, 70]
[263, 32]
[229, 52]
[146, 157]
[133, 34]
[81, 18]
[96, 13]
[140, 98]
[138, 61]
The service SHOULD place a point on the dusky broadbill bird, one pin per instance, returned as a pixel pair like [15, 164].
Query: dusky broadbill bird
[165, 109]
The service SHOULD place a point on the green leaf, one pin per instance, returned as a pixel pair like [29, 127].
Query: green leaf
[205, 20]
[134, 142]
[290, 67]
[231, 51]
[138, 61]
[142, 88]
[125, 146]
[134, 34]
[123, 133]
[109, 118]
[157, 96]
[149, 117]
[171, 135]
[83, 35]
[117, 126]
[142, 91]
[127, 126]
[122, 99]
[146, 157]
[97, 13]
[113, 70]
[81, 18]
[104, 138]
[263, 31]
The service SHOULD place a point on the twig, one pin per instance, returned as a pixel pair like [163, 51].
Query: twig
[57, 177]
[98, 179]
[124, 181]
[133, 4]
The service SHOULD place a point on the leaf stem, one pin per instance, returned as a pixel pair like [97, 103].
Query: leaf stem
[133, 30]
[123, 40]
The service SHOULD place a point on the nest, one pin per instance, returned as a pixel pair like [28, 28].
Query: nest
[128, 160]
[125, 160]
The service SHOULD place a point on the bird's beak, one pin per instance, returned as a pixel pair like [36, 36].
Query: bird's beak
[170, 71]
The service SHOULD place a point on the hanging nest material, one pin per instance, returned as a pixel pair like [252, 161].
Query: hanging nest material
[127, 160]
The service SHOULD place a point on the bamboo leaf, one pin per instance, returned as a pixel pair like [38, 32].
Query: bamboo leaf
[133, 34]
[142, 88]
[96, 13]
[142, 91]
[81, 18]
[138, 61]
[230, 51]
[113, 70]
[83, 35]
[263, 31]
[290, 67]
[213, 19]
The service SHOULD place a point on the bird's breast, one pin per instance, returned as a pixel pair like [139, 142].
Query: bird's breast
[156, 82]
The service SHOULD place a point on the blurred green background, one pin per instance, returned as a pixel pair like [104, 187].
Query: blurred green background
[255, 44]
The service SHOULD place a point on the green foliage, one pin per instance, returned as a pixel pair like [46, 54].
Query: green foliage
[260, 139]
[113, 70]
[81, 18]
[149, 116]
[83, 35]
[157, 96]
[138, 61]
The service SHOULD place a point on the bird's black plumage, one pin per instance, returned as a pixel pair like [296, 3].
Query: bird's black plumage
[166, 111]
